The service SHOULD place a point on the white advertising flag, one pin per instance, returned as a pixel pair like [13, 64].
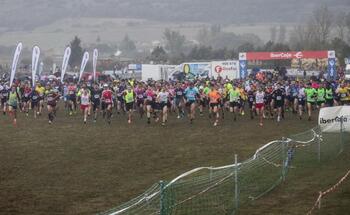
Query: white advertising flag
[41, 67]
[65, 61]
[35, 61]
[334, 119]
[83, 64]
[94, 63]
[14, 62]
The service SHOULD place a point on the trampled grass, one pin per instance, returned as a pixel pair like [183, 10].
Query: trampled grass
[72, 168]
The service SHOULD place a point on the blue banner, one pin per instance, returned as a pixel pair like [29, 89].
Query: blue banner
[332, 72]
[243, 69]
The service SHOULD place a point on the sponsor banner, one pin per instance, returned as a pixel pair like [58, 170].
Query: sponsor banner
[285, 55]
[242, 56]
[65, 61]
[243, 69]
[229, 69]
[193, 70]
[332, 72]
[347, 60]
[83, 64]
[35, 61]
[94, 63]
[135, 67]
[331, 54]
[331, 119]
[15, 61]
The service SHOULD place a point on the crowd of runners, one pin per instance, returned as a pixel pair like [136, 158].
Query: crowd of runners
[154, 100]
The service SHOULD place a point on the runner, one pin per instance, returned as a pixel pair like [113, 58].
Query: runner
[85, 102]
[311, 95]
[279, 96]
[13, 101]
[107, 101]
[269, 104]
[52, 97]
[206, 91]
[179, 101]
[4, 94]
[27, 91]
[329, 95]
[84, 88]
[321, 96]
[191, 94]
[140, 98]
[259, 104]
[66, 97]
[343, 94]
[251, 103]
[301, 99]
[234, 98]
[294, 96]
[72, 98]
[119, 90]
[95, 100]
[163, 97]
[202, 100]
[35, 102]
[149, 102]
[41, 90]
[129, 97]
[214, 103]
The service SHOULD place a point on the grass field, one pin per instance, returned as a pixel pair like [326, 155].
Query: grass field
[72, 168]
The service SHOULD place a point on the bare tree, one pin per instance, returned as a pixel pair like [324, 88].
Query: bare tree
[303, 36]
[203, 36]
[174, 42]
[322, 21]
[273, 34]
[340, 22]
[282, 34]
[347, 23]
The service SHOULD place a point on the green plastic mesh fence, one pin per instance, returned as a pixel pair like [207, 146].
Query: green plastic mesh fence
[221, 190]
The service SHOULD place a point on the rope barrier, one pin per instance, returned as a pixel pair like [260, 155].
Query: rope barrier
[329, 190]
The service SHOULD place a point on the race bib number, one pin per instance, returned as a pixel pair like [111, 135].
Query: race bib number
[96, 96]
[4, 94]
[179, 93]
[343, 95]
[251, 99]
[279, 98]
[49, 99]
[140, 96]
[34, 97]
[149, 98]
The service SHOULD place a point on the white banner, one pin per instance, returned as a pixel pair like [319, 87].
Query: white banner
[65, 62]
[229, 69]
[15, 61]
[83, 64]
[35, 61]
[41, 68]
[330, 119]
[94, 63]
